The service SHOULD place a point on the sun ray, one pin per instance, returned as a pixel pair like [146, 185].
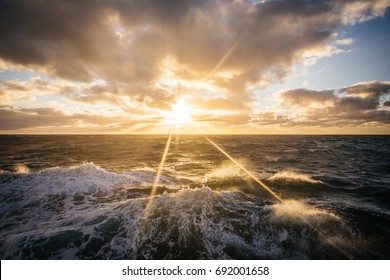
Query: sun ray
[307, 222]
[225, 57]
[157, 179]
[245, 170]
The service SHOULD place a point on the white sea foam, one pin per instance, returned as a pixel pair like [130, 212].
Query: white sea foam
[60, 209]
[300, 211]
[227, 169]
[21, 168]
[197, 218]
[293, 176]
[86, 178]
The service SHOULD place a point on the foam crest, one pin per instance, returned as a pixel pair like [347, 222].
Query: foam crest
[293, 176]
[65, 188]
[188, 224]
[294, 210]
[87, 212]
[21, 168]
[227, 169]
[85, 176]
[192, 223]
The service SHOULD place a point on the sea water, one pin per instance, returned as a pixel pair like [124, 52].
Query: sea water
[88, 197]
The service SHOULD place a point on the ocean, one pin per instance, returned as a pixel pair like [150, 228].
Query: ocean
[266, 197]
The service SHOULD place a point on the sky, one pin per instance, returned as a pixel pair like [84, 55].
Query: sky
[194, 66]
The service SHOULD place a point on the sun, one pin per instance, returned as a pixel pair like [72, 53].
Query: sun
[180, 114]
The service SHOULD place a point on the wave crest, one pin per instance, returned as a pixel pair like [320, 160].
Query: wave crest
[84, 179]
[21, 168]
[293, 176]
[227, 169]
[298, 210]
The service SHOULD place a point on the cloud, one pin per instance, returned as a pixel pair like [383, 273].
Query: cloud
[304, 97]
[271, 118]
[226, 120]
[25, 118]
[58, 35]
[218, 103]
[371, 89]
[229, 46]
[126, 40]
[13, 91]
[358, 11]
[47, 118]
[356, 105]
[128, 98]
[344, 42]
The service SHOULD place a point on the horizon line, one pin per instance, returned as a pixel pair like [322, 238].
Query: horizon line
[195, 134]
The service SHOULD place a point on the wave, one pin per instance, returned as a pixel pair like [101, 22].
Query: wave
[299, 211]
[86, 177]
[21, 168]
[227, 169]
[87, 212]
[293, 176]
[65, 189]
[202, 223]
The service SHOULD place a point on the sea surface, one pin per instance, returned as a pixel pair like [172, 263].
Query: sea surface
[90, 197]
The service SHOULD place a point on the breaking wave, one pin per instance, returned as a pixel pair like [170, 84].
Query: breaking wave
[87, 212]
[293, 176]
[299, 211]
[21, 168]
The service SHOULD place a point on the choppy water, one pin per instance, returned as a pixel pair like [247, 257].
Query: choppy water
[84, 197]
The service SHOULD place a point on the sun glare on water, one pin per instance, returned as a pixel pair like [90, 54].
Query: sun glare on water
[180, 114]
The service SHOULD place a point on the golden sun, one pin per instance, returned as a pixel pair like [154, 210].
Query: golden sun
[180, 114]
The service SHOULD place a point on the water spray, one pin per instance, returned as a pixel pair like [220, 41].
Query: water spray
[278, 198]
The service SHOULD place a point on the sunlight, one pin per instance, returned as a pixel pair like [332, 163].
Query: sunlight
[180, 114]
[157, 179]
[296, 212]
